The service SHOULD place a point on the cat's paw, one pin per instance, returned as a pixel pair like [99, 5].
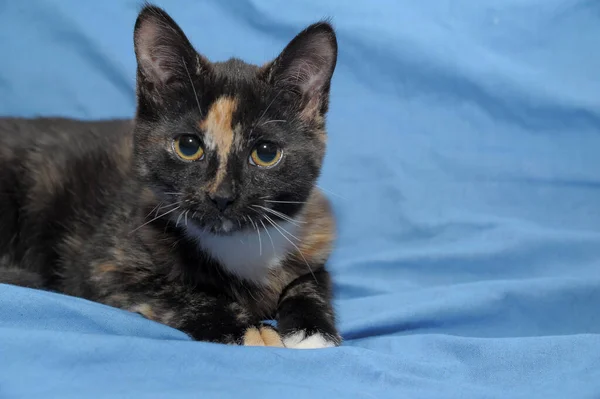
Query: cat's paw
[315, 340]
[263, 335]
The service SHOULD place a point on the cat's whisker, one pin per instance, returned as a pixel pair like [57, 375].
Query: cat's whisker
[179, 218]
[186, 215]
[173, 193]
[266, 109]
[168, 206]
[273, 121]
[150, 221]
[156, 208]
[192, 84]
[161, 206]
[282, 228]
[285, 202]
[330, 192]
[269, 234]
[251, 222]
[259, 242]
[285, 219]
[249, 290]
[255, 227]
[278, 227]
[281, 215]
[171, 204]
[277, 213]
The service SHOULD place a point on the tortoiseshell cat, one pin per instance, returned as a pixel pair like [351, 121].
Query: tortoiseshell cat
[202, 213]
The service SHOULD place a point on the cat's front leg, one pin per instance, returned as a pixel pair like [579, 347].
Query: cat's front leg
[305, 315]
[203, 317]
[217, 320]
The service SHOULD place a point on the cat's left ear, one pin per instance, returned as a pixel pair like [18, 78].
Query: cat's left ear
[167, 61]
[305, 68]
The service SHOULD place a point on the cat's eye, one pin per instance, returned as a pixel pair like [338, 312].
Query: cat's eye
[265, 154]
[188, 147]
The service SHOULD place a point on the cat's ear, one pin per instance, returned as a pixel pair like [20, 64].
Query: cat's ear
[305, 67]
[166, 59]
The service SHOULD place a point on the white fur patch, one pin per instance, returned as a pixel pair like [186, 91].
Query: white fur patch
[244, 253]
[299, 340]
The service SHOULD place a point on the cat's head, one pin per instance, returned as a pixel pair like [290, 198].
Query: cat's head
[233, 144]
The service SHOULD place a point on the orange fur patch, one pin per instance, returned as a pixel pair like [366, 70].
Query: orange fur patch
[145, 310]
[218, 130]
[262, 337]
[318, 234]
[271, 337]
[106, 268]
[124, 154]
[252, 337]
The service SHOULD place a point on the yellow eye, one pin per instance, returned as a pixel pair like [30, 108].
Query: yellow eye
[188, 147]
[265, 154]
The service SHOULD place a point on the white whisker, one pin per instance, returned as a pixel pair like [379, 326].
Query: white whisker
[255, 227]
[281, 215]
[251, 222]
[158, 217]
[273, 121]
[278, 227]
[286, 202]
[282, 228]
[166, 206]
[330, 192]
[269, 234]
[192, 84]
[170, 205]
[266, 109]
[259, 242]
[156, 208]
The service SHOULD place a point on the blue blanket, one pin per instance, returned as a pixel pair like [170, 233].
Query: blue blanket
[464, 168]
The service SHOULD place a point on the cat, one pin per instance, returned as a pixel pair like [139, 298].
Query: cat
[201, 213]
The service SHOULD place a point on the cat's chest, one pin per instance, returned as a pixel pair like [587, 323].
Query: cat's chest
[250, 255]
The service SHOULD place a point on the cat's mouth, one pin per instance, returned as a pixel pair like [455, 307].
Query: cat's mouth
[217, 223]
[218, 226]
[224, 226]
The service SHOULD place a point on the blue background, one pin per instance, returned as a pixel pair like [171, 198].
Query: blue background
[463, 164]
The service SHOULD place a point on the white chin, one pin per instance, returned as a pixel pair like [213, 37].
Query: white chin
[227, 226]
[220, 227]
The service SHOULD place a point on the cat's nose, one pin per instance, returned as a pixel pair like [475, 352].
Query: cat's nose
[222, 202]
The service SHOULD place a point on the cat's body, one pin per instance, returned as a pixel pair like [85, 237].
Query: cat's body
[202, 213]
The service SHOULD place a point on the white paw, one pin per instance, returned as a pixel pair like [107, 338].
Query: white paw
[299, 340]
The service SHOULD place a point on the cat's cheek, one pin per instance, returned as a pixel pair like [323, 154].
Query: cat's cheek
[300, 340]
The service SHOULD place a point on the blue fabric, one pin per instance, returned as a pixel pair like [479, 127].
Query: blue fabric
[464, 159]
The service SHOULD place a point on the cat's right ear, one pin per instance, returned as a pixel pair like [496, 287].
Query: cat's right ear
[305, 68]
[167, 61]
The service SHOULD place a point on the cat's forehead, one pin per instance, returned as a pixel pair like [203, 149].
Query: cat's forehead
[218, 125]
[235, 69]
[239, 98]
